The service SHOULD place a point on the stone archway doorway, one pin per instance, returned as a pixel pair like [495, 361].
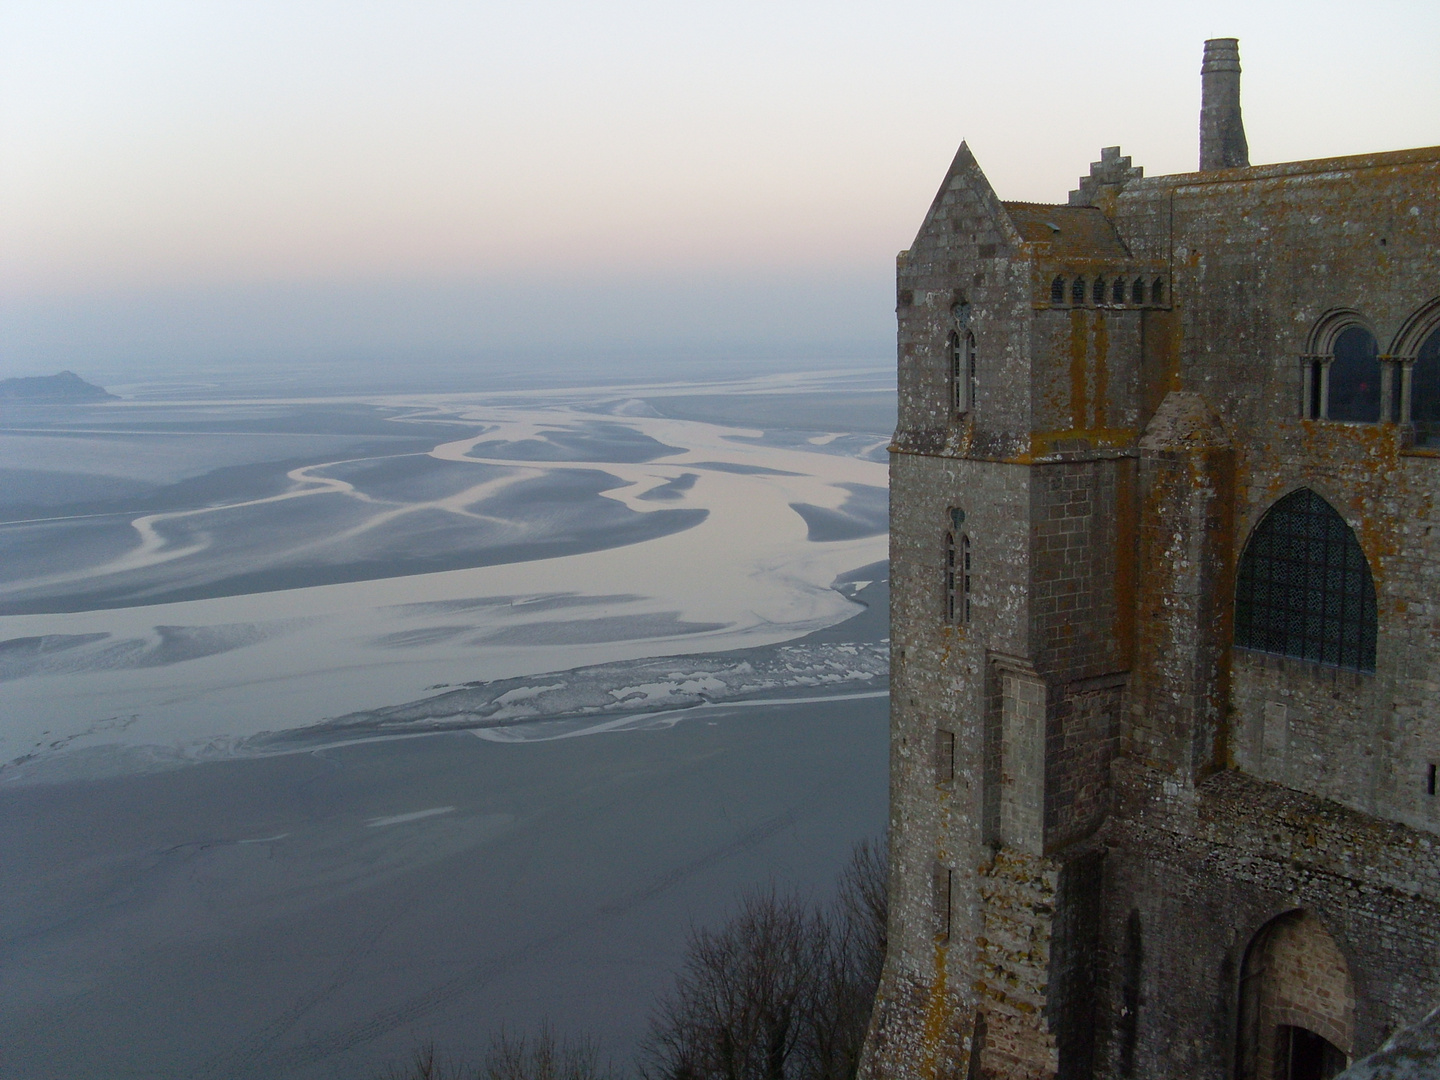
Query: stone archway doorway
[1297, 1003]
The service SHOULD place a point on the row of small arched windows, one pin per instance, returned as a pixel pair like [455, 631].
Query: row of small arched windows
[1303, 586]
[1117, 292]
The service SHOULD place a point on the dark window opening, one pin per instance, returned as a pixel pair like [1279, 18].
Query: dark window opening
[977, 1048]
[1317, 374]
[1300, 1054]
[1430, 780]
[1425, 391]
[1304, 587]
[944, 757]
[942, 902]
[1137, 295]
[1117, 295]
[1098, 293]
[1355, 377]
[1157, 292]
[1057, 291]
[1077, 291]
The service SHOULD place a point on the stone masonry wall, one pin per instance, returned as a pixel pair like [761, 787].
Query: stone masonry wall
[1189, 902]
[1130, 801]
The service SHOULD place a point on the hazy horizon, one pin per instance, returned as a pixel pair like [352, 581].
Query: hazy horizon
[192, 187]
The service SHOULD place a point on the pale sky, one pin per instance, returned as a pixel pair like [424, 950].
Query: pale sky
[206, 182]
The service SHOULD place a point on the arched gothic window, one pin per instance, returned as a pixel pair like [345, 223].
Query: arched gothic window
[1057, 291]
[1425, 391]
[1098, 293]
[1117, 295]
[1354, 382]
[1304, 587]
[1077, 291]
[1137, 294]
[1157, 292]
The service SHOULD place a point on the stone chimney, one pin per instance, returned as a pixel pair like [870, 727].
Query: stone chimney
[1222, 133]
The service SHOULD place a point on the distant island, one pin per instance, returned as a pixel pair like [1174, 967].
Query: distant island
[64, 388]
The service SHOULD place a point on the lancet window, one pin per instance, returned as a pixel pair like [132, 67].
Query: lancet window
[957, 570]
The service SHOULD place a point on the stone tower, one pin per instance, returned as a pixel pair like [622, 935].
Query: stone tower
[1165, 648]
[1222, 132]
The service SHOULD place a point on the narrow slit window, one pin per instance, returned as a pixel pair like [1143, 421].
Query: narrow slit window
[964, 612]
[1077, 291]
[944, 756]
[1317, 383]
[1057, 291]
[942, 889]
[951, 570]
[1430, 780]
[958, 380]
[969, 377]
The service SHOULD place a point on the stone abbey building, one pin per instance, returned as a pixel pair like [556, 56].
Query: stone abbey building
[1165, 567]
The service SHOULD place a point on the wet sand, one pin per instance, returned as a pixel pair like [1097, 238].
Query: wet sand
[323, 913]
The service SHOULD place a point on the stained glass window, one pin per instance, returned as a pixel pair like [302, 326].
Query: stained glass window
[1304, 587]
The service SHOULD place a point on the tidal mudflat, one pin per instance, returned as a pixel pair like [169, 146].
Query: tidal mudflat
[330, 727]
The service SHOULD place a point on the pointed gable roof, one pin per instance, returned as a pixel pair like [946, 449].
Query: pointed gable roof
[1047, 231]
[965, 184]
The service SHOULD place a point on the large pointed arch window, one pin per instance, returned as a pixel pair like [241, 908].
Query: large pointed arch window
[1304, 587]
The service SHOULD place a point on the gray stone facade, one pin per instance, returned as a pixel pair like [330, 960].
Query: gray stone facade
[1123, 845]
